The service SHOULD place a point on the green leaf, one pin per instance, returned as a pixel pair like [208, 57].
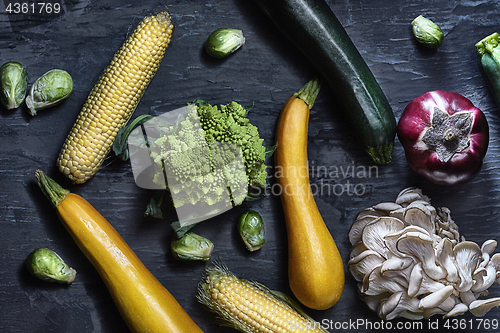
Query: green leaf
[179, 230]
[157, 207]
[270, 150]
[120, 144]
[254, 197]
[255, 193]
[200, 102]
[249, 109]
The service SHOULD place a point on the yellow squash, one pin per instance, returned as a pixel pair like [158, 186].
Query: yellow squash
[315, 268]
[145, 304]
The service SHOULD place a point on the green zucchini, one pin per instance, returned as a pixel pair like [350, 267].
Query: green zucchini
[313, 28]
[488, 52]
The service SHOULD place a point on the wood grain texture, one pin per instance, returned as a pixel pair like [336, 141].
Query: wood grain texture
[265, 72]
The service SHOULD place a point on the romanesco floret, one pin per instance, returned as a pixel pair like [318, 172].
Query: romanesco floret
[211, 156]
[230, 124]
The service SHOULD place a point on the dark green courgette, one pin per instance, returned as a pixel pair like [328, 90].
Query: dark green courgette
[488, 52]
[313, 27]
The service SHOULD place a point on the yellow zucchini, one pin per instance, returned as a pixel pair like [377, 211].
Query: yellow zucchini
[315, 267]
[144, 303]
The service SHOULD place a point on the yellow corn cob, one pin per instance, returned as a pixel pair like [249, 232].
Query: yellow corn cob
[114, 98]
[249, 306]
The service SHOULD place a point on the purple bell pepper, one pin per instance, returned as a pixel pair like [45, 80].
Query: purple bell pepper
[445, 137]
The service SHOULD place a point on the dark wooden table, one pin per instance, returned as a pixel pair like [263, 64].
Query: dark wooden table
[266, 71]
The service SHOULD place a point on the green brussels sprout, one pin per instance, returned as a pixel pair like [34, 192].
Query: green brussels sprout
[251, 228]
[192, 247]
[223, 42]
[48, 266]
[14, 80]
[427, 33]
[49, 89]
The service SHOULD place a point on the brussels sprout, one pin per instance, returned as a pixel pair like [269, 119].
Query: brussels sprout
[14, 80]
[192, 247]
[49, 89]
[48, 266]
[223, 42]
[427, 33]
[251, 228]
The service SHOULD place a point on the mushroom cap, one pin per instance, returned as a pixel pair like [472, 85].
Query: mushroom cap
[446, 258]
[356, 229]
[395, 265]
[489, 246]
[409, 195]
[458, 309]
[483, 278]
[467, 257]
[421, 247]
[495, 262]
[436, 298]
[391, 240]
[467, 297]
[374, 233]
[364, 263]
[417, 214]
[480, 307]
[357, 249]
[415, 282]
[375, 283]
[388, 305]
[405, 304]
[421, 284]
[387, 207]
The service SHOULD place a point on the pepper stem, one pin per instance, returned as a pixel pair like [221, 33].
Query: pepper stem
[488, 44]
[448, 135]
[309, 92]
[52, 190]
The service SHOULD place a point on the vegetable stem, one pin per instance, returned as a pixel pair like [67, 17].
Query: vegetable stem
[381, 154]
[489, 46]
[52, 190]
[309, 92]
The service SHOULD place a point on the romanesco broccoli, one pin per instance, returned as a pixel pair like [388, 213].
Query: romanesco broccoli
[211, 156]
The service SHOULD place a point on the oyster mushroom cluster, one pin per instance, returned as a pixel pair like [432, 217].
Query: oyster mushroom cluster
[410, 261]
